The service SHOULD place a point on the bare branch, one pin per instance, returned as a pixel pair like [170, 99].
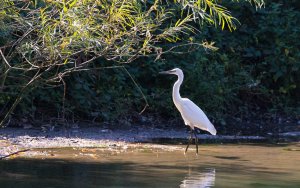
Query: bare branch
[4, 59]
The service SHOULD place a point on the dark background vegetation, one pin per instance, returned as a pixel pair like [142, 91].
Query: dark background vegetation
[251, 85]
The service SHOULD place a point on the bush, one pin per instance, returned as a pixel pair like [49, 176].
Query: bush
[48, 40]
[254, 73]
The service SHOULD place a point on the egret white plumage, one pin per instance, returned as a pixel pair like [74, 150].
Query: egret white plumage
[192, 115]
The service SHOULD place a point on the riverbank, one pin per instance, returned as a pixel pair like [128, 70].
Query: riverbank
[19, 139]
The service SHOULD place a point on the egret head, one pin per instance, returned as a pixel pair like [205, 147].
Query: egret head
[176, 71]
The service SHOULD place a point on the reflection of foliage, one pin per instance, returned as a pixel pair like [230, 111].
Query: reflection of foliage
[42, 41]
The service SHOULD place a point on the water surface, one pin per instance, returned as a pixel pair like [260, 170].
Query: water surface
[215, 166]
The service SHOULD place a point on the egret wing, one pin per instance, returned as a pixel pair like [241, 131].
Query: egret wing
[193, 115]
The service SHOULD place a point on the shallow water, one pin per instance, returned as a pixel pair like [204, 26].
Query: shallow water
[215, 166]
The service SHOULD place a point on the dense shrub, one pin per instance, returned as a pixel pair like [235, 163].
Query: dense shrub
[254, 73]
[43, 42]
[253, 76]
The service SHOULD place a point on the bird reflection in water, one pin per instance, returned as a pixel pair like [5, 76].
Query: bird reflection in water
[204, 179]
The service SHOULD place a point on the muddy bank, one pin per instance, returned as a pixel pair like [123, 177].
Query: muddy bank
[18, 139]
[93, 136]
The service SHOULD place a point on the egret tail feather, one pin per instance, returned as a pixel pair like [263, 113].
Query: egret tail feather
[211, 129]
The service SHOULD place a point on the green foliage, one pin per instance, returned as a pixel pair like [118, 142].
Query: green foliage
[254, 72]
[273, 52]
[238, 81]
[280, 56]
[50, 39]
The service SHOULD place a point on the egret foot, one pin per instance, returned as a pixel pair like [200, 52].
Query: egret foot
[190, 140]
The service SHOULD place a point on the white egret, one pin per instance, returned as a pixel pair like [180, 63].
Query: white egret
[192, 115]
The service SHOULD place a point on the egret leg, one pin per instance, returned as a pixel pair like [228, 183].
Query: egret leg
[189, 142]
[196, 142]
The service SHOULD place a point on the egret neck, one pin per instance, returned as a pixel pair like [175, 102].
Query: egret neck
[176, 95]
